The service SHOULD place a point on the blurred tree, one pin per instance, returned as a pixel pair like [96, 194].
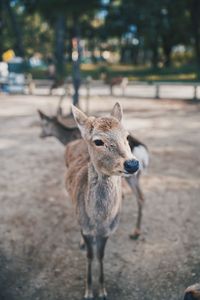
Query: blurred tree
[116, 26]
[1, 28]
[56, 13]
[151, 25]
[37, 29]
[174, 27]
[194, 8]
[9, 11]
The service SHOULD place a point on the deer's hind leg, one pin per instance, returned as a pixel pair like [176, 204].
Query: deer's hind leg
[82, 243]
[90, 255]
[133, 182]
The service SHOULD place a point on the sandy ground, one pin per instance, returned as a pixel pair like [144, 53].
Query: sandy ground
[39, 253]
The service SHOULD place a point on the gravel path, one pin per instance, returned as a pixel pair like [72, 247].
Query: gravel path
[39, 254]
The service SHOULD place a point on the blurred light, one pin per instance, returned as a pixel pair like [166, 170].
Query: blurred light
[102, 14]
[133, 28]
[8, 55]
[106, 54]
[135, 41]
[3, 69]
[164, 11]
[75, 55]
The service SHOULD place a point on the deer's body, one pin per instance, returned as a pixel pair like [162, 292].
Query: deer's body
[93, 181]
[117, 81]
[59, 127]
[97, 215]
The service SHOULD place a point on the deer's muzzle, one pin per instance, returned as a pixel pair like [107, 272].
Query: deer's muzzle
[131, 166]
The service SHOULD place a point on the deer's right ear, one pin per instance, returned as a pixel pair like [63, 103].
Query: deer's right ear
[80, 119]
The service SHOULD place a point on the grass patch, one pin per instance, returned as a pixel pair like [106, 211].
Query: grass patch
[137, 73]
[142, 73]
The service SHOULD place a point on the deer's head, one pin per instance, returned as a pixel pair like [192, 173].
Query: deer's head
[47, 124]
[107, 142]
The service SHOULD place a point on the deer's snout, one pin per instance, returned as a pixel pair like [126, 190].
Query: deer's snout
[131, 166]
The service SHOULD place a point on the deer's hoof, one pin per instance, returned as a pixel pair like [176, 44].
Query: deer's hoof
[102, 294]
[88, 295]
[135, 235]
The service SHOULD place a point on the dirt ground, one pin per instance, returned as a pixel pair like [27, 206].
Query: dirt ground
[39, 235]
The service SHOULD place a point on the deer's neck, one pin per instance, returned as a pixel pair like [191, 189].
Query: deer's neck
[104, 195]
[63, 135]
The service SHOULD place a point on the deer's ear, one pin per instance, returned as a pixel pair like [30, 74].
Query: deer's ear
[80, 119]
[117, 112]
[42, 115]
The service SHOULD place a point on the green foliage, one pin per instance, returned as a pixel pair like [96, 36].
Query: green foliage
[156, 27]
[184, 73]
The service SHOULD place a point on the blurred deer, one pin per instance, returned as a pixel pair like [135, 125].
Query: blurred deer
[116, 81]
[95, 165]
[65, 130]
[53, 126]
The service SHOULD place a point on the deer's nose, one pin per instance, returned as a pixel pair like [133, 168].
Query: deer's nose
[131, 166]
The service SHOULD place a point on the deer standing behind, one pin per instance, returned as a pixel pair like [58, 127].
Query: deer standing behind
[65, 130]
[95, 165]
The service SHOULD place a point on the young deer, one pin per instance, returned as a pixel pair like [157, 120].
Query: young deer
[53, 126]
[95, 165]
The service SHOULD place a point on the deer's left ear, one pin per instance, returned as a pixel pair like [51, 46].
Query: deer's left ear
[117, 112]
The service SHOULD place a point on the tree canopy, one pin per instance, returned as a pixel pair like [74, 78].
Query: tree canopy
[149, 29]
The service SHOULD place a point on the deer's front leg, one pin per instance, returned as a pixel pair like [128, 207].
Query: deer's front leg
[101, 243]
[89, 247]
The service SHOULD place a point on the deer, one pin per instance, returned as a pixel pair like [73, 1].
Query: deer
[95, 166]
[116, 81]
[56, 126]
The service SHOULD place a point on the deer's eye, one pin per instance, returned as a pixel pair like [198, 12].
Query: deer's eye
[99, 142]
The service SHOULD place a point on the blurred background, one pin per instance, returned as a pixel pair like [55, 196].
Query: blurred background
[145, 54]
[109, 40]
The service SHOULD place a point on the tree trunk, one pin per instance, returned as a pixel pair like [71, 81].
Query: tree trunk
[76, 60]
[195, 21]
[122, 50]
[154, 60]
[1, 29]
[167, 49]
[60, 46]
[18, 47]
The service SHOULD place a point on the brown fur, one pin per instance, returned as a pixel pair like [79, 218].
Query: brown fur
[105, 124]
[76, 158]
